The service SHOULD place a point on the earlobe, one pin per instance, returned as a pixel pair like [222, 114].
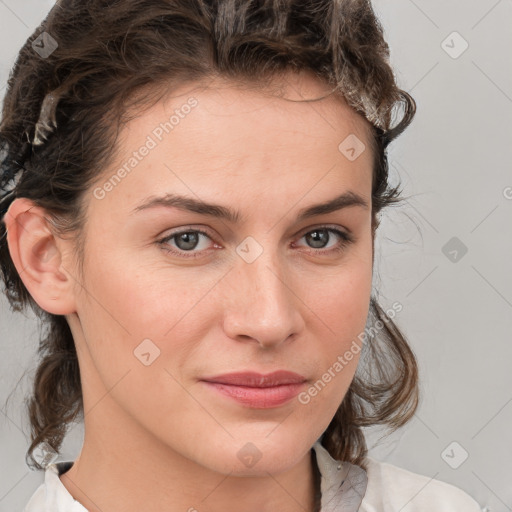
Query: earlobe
[38, 257]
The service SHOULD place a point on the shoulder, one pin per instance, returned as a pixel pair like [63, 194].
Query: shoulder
[392, 488]
[52, 495]
[36, 500]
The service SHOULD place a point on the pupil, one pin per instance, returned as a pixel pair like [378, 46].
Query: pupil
[317, 236]
[189, 238]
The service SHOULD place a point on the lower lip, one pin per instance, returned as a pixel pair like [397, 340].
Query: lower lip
[261, 398]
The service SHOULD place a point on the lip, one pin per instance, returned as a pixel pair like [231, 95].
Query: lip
[258, 390]
[257, 380]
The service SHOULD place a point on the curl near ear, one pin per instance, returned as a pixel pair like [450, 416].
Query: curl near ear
[41, 258]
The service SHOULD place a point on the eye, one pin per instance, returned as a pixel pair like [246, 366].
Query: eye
[186, 241]
[319, 237]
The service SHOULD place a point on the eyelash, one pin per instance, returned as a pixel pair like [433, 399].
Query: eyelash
[346, 239]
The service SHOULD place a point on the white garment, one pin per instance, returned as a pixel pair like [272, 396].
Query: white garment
[384, 487]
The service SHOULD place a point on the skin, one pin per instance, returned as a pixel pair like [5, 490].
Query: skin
[156, 437]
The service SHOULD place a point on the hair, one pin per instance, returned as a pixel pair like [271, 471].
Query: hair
[62, 113]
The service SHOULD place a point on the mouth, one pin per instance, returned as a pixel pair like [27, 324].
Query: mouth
[257, 390]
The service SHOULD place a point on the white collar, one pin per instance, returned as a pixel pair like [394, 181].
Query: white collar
[343, 484]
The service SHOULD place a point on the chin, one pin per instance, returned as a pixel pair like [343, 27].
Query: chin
[255, 455]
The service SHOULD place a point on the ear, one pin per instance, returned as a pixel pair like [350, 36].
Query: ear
[39, 257]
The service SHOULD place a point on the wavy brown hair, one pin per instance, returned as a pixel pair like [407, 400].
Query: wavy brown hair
[63, 111]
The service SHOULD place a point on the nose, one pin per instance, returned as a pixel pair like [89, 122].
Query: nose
[263, 305]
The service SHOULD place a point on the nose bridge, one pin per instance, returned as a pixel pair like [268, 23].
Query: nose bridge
[263, 305]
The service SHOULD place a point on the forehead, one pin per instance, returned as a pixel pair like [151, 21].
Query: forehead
[274, 104]
[222, 137]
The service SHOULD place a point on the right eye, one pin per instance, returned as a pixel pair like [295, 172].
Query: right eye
[185, 242]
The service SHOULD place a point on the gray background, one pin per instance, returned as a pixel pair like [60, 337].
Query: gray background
[454, 162]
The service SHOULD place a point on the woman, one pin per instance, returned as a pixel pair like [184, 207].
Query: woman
[191, 195]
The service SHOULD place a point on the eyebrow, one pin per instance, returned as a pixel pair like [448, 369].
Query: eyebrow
[345, 200]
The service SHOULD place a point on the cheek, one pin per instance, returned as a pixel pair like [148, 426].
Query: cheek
[340, 305]
[141, 326]
[144, 298]
[128, 309]
[341, 298]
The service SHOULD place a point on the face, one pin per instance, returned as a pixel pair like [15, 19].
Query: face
[174, 295]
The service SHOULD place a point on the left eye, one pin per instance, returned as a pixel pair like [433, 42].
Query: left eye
[187, 241]
[320, 236]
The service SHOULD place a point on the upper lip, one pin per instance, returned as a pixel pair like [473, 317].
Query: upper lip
[258, 380]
